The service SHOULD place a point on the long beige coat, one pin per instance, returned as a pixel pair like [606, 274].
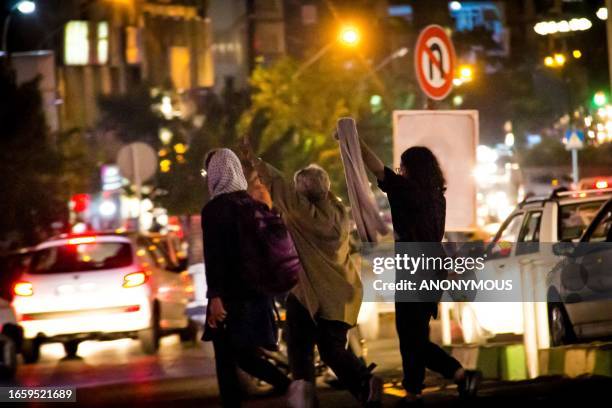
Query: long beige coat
[331, 287]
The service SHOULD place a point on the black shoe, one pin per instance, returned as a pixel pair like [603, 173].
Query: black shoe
[410, 402]
[468, 385]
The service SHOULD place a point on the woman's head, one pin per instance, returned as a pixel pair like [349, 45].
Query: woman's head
[224, 172]
[312, 182]
[420, 165]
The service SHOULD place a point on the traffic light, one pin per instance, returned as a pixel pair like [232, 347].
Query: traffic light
[600, 99]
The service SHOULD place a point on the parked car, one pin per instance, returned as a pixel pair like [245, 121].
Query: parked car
[580, 295]
[561, 217]
[595, 183]
[11, 335]
[99, 287]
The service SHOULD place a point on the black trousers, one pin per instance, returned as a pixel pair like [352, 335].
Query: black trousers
[418, 353]
[228, 359]
[330, 337]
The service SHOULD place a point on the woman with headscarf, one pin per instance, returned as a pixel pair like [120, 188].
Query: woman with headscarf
[240, 320]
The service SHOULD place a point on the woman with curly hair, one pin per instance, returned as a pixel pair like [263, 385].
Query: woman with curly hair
[418, 211]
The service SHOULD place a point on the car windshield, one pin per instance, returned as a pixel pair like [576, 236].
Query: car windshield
[575, 218]
[82, 257]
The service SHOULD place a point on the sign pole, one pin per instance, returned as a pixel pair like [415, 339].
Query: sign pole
[575, 175]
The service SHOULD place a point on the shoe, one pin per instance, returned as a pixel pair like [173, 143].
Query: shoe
[375, 392]
[468, 385]
[410, 401]
[301, 394]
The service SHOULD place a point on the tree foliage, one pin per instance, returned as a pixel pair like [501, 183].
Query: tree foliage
[36, 175]
[183, 189]
[291, 118]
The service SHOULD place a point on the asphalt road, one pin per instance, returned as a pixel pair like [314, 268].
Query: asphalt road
[117, 374]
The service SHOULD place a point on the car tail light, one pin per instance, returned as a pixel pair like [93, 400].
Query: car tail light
[23, 289]
[134, 279]
[600, 184]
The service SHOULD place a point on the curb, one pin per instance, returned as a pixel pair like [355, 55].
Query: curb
[495, 361]
[508, 362]
[576, 360]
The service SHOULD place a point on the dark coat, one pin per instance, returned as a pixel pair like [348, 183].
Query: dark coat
[250, 315]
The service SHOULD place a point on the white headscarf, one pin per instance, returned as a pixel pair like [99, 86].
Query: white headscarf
[225, 173]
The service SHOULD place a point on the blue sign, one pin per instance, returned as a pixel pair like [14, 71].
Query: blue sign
[573, 139]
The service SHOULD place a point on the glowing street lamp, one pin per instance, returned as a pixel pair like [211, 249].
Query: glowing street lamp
[23, 7]
[602, 13]
[560, 59]
[466, 73]
[349, 35]
[26, 7]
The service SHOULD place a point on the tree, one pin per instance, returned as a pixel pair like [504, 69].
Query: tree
[291, 118]
[182, 189]
[30, 169]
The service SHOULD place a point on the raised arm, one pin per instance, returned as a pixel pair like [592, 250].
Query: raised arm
[372, 161]
[283, 194]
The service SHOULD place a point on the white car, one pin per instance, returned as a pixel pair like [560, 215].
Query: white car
[11, 335]
[85, 287]
[563, 216]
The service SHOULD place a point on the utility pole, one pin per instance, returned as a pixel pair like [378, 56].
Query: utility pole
[609, 31]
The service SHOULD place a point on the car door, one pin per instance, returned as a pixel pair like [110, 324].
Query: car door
[499, 264]
[592, 305]
[173, 291]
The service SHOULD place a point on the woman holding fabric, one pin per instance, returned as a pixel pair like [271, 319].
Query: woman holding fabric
[418, 210]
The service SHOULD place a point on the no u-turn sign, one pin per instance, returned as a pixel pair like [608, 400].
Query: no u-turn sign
[434, 60]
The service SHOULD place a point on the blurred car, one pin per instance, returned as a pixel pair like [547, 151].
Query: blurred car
[561, 217]
[102, 286]
[580, 295]
[11, 335]
[595, 183]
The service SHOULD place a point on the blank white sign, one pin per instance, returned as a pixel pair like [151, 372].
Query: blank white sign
[453, 137]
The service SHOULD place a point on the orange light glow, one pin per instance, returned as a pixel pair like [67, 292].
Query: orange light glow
[601, 184]
[349, 35]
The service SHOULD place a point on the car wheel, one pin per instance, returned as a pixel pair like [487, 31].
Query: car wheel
[149, 338]
[30, 350]
[71, 347]
[561, 330]
[8, 364]
[190, 333]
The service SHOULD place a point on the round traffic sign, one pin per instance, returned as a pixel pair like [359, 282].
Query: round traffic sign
[137, 162]
[434, 60]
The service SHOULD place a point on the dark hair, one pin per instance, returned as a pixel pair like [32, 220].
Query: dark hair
[209, 157]
[423, 168]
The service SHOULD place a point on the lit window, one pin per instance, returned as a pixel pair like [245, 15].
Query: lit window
[76, 43]
[132, 45]
[102, 42]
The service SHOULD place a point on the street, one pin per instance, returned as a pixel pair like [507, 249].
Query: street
[117, 373]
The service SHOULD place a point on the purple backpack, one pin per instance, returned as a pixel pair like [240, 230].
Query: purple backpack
[272, 261]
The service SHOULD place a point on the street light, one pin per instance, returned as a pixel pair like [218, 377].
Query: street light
[560, 59]
[466, 73]
[348, 36]
[24, 7]
[602, 13]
